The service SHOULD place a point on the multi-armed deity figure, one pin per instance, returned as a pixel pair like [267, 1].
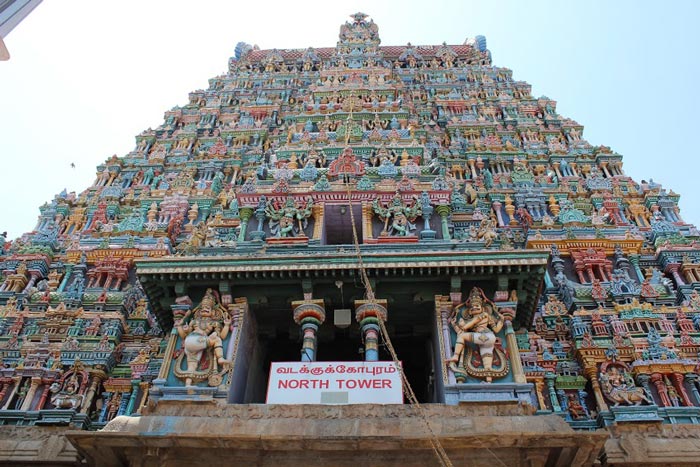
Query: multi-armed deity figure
[400, 214]
[476, 321]
[204, 332]
[282, 218]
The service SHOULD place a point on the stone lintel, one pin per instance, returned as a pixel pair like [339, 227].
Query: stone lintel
[641, 444]
[337, 435]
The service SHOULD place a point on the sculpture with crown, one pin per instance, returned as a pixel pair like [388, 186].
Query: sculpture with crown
[477, 350]
[203, 331]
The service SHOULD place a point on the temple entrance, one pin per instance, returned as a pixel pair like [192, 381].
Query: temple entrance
[279, 339]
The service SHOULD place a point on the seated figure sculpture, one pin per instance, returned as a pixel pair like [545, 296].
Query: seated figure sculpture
[476, 322]
[618, 386]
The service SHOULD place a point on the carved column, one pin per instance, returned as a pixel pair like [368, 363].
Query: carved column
[444, 211]
[245, 214]
[318, 212]
[123, 403]
[44, 393]
[309, 314]
[692, 378]
[592, 374]
[33, 276]
[92, 390]
[3, 390]
[105, 405]
[29, 398]
[496, 205]
[179, 310]
[18, 381]
[367, 221]
[634, 259]
[66, 277]
[368, 313]
[539, 388]
[513, 352]
[549, 378]
[673, 269]
[678, 381]
[661, 389]
[133, 396]
[443, 306]
[145, 387]
[555, 166]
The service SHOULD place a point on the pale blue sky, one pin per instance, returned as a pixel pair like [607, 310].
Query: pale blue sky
[85, 77]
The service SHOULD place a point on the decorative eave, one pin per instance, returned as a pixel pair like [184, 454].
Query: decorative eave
[155, 273]
[449, 262]
[630, 246]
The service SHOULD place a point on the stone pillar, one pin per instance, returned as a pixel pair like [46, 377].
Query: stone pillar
[634, 259]
[472, 168]
[309, 314]
[105, 405]
[27, 403]
[443, 306]
[123, 403]
[144, 386]
[549, 378]
[66, 277]
[368, 313]
[33, 276]
[673, 269]
[44, 394]
[444, 211]
[179, 310]
[513, 353]
[693, 379]
[133, 396]
[678, 383]
[3, 390]
[592, 373]
[539, 388]
[496, 205]
[246, 214]
[18, 381]
[661, 389]
[92, 390]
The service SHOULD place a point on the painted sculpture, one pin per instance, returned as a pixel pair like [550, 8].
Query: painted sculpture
[476, 323]
[203, 331]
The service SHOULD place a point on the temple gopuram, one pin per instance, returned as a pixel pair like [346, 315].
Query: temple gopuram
[355, 255]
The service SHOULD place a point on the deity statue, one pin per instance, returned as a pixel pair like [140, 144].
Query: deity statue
[477, 322]
[202, 345]
[282, 218]
[67, 392]
[618, 386]
[401, 215]
[576, 410]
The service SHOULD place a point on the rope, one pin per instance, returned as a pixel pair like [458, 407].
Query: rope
[408, 391]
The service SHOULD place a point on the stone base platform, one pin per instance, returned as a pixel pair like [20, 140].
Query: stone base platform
[643, 444]
[34, 445]
[188, 434]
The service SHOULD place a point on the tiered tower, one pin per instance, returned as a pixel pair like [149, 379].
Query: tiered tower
[516, 270]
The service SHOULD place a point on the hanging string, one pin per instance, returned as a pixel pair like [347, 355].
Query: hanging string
[369, 293]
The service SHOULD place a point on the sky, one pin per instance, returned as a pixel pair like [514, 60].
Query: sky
[86, 77]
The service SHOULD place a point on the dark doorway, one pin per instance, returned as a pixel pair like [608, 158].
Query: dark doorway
[338, 224]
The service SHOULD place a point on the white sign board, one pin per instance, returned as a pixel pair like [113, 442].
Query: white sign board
[334, 383]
